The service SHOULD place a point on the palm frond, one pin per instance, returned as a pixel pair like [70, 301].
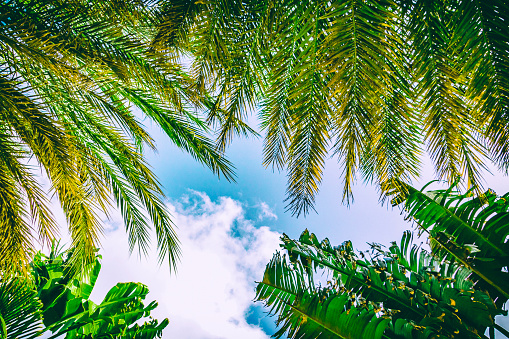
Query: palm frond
[449, 126]
[400, 292]
[70, 74]
[482, 41]
[471, 231]
[380, 80]
[20, 310]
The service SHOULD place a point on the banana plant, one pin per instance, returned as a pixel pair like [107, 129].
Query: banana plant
[399, 292]
[57, 301]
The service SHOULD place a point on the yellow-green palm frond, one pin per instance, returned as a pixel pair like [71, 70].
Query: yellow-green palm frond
[481, 41]
[449, 126]
[307, 91]
[367, 78]
[211, 34]
[70, 74]
[379, 80]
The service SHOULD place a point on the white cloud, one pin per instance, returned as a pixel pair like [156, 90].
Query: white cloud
[266, 212]
[222, 255]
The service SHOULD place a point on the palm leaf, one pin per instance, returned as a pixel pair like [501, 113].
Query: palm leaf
[481, 39]
[378, 80]
[449, 126]
[400, 292]
[307, 313]
[469, 230]
[20, 310]
[70, 73]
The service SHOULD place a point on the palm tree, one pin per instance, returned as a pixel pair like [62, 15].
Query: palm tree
[57, 301]
[375, 82]
[403, 291]
[71, 73]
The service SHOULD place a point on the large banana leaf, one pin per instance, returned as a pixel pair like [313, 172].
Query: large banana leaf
[67, 309]
[400, 292]
[470, 230]
[115, 316]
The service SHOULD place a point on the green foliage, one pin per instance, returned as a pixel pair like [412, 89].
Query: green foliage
[306, 312]
[375, 82]
[58, 301]
[20, 310]
[471, 231]
[403, 291]
[72, 76]
[68, 310]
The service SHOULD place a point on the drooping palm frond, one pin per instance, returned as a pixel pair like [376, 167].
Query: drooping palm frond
[403, 292]
[469, 230]
[481, 39]
[368, 79]
[298, 126]
[212, 33]
[377, 80]
[70, 74]
[449, 124]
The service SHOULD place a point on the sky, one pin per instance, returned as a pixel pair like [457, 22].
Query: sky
[229, 232]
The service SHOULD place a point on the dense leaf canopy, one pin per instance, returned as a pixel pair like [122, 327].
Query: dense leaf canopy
[376, 82]
[70, 74]
[403, 291]
[54, 303]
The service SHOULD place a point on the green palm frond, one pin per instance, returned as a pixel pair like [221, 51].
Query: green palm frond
[70, 75]
[295, 111]
[449, 125]
[394, 155]
[402, 292]
[220, 58]
[379, 80]
[364, 72]
[20, 310]
[469, 230]
[481, 39]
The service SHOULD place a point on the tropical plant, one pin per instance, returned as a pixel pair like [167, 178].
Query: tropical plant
[403, 291]
[20, 310]
[472, 232]
[374, 82]
[58, 301]
[71, 73]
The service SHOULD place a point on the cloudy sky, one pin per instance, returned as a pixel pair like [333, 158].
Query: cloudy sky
[229, 231]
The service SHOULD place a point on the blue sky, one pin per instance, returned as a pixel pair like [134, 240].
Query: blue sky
[229, 232]
[178, 173]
